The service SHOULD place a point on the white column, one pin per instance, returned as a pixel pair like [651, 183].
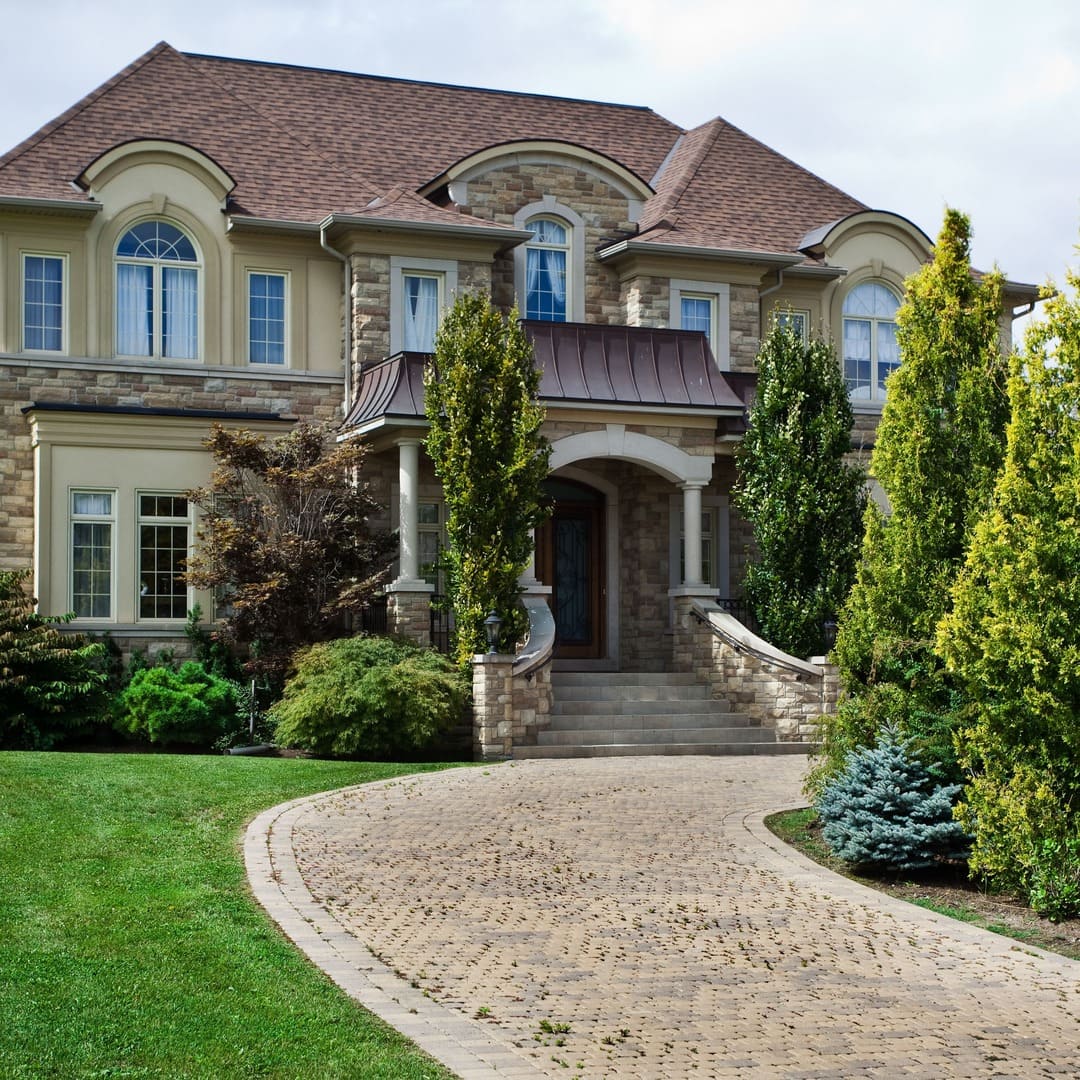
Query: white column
[408, 511]
[691, 534]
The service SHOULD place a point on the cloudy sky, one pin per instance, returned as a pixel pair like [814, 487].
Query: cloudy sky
[909, 107]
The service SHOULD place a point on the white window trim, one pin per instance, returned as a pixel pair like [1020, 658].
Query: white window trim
[875, 400]
[111, 519]
[152, 519]
[427, 493]
[445, 270]
[260, 365]
[63, 257]
[720, 295]
[780, 312]
[199, 266]
[575, 262]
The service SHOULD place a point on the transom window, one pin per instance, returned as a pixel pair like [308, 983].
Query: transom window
[163, 550]
[870, 349]
[547, 258]
[43, 303]
[157, 293]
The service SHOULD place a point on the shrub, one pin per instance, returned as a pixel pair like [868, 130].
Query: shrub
[885, 812]
[188, 706]
[372, 697]
[50, 682]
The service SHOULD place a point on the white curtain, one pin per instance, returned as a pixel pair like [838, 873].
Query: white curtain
[134, 310]
[857, 356]
[545, 272]
[180, 313]
[421, 313]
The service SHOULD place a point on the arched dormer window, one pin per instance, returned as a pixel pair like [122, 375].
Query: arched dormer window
[157, 292]
[870, 349]
[547, 269]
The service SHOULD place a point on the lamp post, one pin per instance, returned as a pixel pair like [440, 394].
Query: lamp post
[828, 630]
[492, 626]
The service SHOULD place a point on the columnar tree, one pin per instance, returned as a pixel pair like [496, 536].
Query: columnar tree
[1013, 637]
[803, 500]
[939, 447]
[481, 401]
[285, 534]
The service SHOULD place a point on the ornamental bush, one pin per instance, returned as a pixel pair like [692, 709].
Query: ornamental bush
[188, 706]
[368, 697]
[885, 812]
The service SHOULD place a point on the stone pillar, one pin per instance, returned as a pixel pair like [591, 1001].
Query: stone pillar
[408, 610]
[493, 707]
[691, 534]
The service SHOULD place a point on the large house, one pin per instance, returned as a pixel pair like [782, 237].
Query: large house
[210, 240]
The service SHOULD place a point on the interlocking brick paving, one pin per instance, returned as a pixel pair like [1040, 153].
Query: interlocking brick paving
[631, 917]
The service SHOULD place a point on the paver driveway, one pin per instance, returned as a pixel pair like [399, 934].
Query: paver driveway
[640, 903]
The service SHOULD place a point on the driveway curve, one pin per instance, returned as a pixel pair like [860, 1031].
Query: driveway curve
[632, 917]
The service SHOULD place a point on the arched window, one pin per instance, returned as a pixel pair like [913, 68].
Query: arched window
[870, 349]
[157, 293]
[547, 269]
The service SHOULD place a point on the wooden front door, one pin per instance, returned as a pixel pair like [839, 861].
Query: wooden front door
[570, 558]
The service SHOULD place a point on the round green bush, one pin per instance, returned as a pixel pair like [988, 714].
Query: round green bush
[368, 697]
[188, 706]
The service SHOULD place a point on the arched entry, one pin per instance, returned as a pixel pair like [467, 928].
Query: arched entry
[570, 558]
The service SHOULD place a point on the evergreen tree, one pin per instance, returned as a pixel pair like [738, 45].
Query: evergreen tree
[481, 389]
[802, 499]
[1013, 637]
[48, 679]
[939, 447]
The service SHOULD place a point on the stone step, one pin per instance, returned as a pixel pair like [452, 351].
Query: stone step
[717, 749]
[635, 721]
[667, 706]
[632, 692]
[660, 736]
[622, 678]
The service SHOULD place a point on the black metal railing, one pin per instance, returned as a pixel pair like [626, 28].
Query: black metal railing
[372, 618]
[442, 625]
[741, 610]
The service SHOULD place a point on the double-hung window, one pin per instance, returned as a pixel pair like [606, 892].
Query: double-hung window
[157, 293]
[870, 349]
[164, 535]
[697, 313]
[92, 528]
[547, 259]
[266, 317]
[43, 303]
[420, 311]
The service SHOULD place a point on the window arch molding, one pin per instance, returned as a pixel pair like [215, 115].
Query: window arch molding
[158, 207]
[866, 318]
[550, 210]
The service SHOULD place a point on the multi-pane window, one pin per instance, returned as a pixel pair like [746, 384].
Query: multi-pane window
[164, 527]
[708, 546]
[266, 318]
[430, 518]
[870, 348]
[796, 321]
[92, 553]
[157, 293]
[43, 303]
[697, 314]
[420, 308]
[547, 258]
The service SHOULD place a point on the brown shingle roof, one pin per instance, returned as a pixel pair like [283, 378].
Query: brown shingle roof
[303, 143]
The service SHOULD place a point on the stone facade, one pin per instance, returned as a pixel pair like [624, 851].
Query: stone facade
[508, 708]
[745, 327]
[646, 301]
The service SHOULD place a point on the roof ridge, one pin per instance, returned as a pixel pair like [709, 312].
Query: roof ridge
[698, 155]
[84, 103]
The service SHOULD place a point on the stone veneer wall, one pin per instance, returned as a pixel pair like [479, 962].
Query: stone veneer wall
[370, 309]
[508, 709]
[789, 703]
[93, 383]
[647, 301]
[500, 193]
[745, 327]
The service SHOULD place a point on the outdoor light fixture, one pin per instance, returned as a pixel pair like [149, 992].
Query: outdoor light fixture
[828, 629]
[492, 626]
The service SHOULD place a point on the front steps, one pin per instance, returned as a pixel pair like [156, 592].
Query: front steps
[604, 714]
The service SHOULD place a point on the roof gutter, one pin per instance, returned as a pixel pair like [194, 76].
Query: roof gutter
[52, 206]
[347, 405]
[472, 232]
[244, 222]
[768, 258]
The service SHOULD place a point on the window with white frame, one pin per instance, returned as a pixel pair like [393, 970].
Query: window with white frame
[164, 536]
[43, 302]
[870, 349]
[796, 321]
[266, 317]
[157, 293]
[708, 546]
[547, 269]
[92, 535]
[421, 304]
[704, 306]
[714, 542]
[432, 540]
[698, 313]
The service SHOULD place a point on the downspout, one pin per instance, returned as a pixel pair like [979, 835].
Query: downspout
[765, 292]
[348, 313]
[1014, 315]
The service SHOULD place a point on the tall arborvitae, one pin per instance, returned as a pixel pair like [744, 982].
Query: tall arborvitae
[939, 447]
[1013, 636]
[802, 499]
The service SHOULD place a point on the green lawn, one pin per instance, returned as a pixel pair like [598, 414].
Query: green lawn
[129, 944]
